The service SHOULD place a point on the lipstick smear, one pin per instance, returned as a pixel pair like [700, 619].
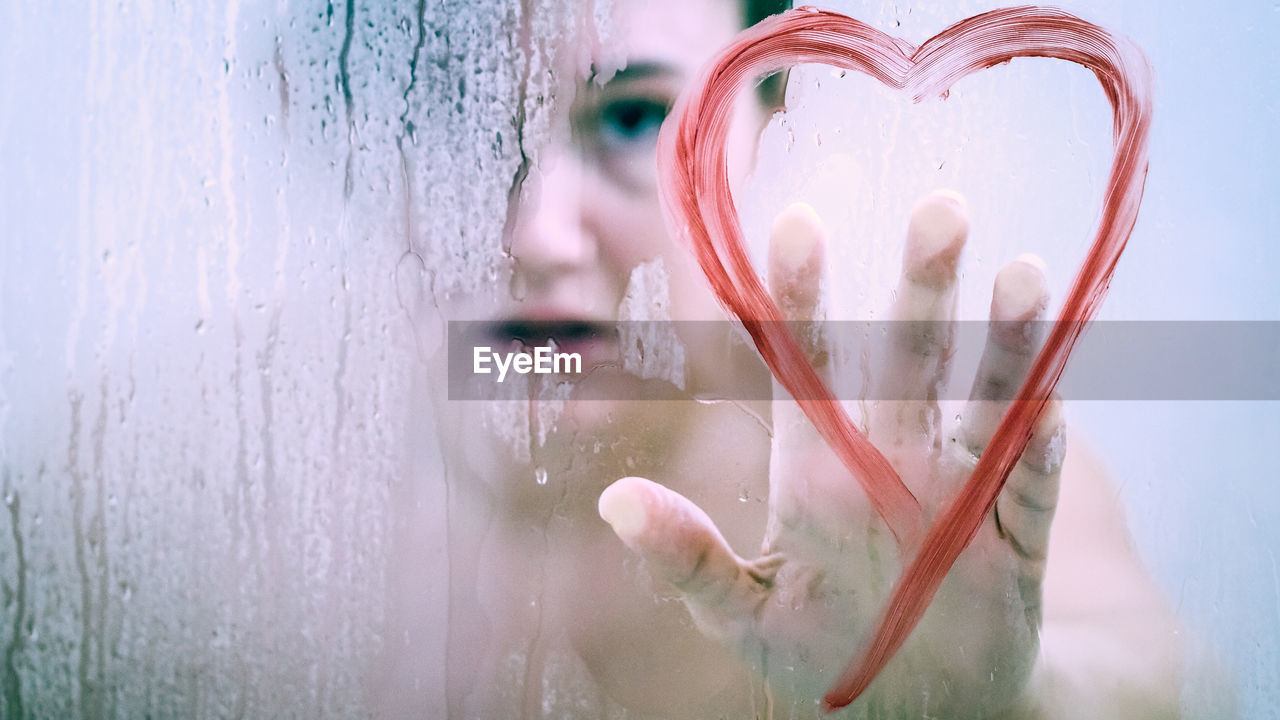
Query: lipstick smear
[695, 192]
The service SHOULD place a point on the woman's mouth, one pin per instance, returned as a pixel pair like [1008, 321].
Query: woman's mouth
[596, 342]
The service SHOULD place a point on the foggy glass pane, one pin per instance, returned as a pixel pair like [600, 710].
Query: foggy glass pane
[235, 482]
[214, 467]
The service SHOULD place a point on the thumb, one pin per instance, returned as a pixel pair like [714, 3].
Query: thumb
[682, 545]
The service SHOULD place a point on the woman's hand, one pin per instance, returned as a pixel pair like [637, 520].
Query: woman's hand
[802, 609]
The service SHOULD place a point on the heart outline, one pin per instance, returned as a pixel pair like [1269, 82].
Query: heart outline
[695, 194]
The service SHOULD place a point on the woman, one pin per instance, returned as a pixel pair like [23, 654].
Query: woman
[551, 614]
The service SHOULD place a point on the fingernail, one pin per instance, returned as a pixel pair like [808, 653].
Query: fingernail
[622, 506]
[1017, 302]
[935, 237]
[1021, 292]
[797, 233]
[796, 245]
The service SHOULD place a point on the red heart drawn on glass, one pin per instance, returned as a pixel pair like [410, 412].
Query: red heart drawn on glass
[695, 192]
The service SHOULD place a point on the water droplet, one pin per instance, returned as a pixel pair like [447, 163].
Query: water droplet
[744, 495]
[540, 475]
[519, 286]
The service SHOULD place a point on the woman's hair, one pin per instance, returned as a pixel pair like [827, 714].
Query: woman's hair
[753, 11]
[772, 89]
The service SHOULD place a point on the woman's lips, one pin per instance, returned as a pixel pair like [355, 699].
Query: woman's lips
[595, 341]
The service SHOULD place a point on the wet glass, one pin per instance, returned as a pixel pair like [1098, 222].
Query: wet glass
[234, 481]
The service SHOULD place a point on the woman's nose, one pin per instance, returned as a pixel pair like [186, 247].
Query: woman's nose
[549, 237]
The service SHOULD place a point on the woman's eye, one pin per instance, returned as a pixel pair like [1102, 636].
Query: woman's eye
[630, 122]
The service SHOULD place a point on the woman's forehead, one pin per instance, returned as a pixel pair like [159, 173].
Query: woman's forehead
[678, 34]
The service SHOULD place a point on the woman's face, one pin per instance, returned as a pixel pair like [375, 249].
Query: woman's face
[587, 215]
[585, 226]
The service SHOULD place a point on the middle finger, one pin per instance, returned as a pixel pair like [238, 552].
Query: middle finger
[910, 364]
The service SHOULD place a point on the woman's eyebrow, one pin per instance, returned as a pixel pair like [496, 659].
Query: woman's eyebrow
[642, 70]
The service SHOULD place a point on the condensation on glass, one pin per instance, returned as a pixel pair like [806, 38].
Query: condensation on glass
[232, 237]
[216, 468]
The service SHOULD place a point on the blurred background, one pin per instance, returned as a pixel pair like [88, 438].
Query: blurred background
[220, 226]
